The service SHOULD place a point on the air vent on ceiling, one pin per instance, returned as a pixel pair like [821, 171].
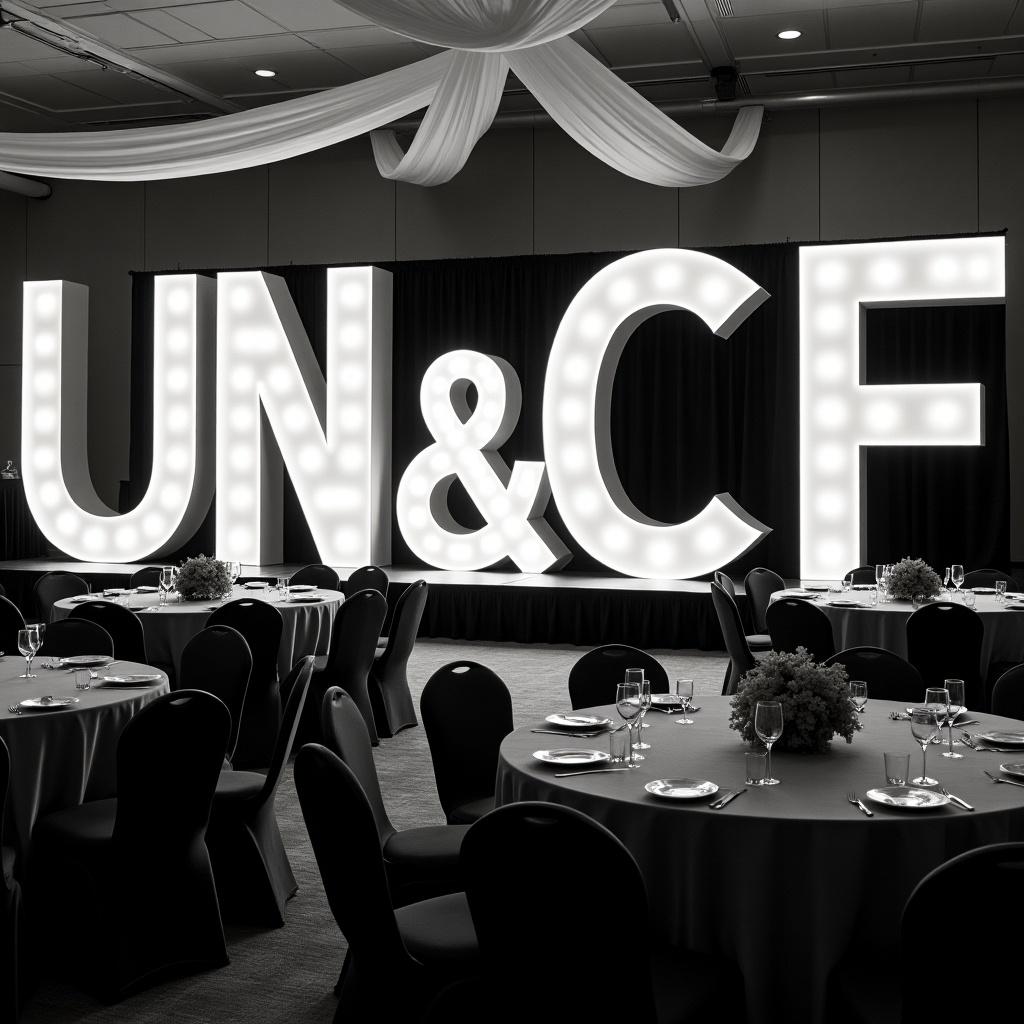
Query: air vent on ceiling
[724, 9]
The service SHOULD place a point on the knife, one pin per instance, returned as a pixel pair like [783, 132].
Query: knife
[566, 734]
[589, 771]
[718, 804]
[960, 802]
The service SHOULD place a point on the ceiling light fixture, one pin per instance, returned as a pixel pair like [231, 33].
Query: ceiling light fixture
[790, 33]
[265, 73]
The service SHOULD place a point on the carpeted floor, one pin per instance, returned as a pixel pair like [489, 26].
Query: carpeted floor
[287, 974]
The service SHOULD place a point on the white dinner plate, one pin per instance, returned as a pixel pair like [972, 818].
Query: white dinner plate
[86, 661]
[845, 604]
[1001, 739]
[81, 598]
[256, 585]
[1015, 768]
[666, 700]
[302, 588]
[908, 798]
[681, 789]
[146, 590]
[817, 588]
[578, 721]
[865, 586]
[47, 703]
[304, 599]
[139, 679]
[565, 756]
[984, 590]
[1016, 594]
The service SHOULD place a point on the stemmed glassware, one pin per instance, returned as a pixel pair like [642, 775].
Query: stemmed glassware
[924, 725]
[946, 581]
[955, 698]
[858, 694]
[28, 644]
[768, 726]
[645, 706]
[936, 700]
[166, 582]
[627, 703]
[684, 691]
[958, 577]
[234, 571]
[636, 675]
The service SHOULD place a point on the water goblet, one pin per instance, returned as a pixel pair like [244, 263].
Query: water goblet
[846, 583]
[28, 644]
[1000, 591]
[955, 696]
[924, 725]
[957, 577]
[936, 699]
[636, 675]
[684, 691]
[234, 571]
[768, 727]
[858, 694]
[166, 582]
[627, 703]
[645, 706]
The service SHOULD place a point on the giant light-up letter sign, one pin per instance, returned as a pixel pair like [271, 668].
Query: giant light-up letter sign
[465, 447]
[577, 413]
[333, 435]
[55, 464]
[839, 415]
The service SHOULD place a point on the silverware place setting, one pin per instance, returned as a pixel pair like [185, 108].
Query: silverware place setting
[956, 800]
[859, 804]
[1008, 782]
[589, 771]
[970, 742]
[570, 734]
[14, 709]
[727, 797]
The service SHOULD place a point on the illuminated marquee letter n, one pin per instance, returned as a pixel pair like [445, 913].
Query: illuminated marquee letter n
[577, 412]
[839, 414]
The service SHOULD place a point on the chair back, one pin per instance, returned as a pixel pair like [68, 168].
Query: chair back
[344, 732]
[989, 578]
[123, 625]
[367, 577]
[217, 659]
[736, 646]
[5, 785]
[889, 677]
[11, 620]
[297, 687]
[317, 575]
[1008, 694]
[261, 625]
[513, 860]
[67, 637]
[405, 625]
[861, 575]
[994, 875]
[594, 677]
[760, 584]
[389, 673]
[147, 576]
[52, 587]
[467, 712]
[793, 623]
[944, 642]
[725, 582]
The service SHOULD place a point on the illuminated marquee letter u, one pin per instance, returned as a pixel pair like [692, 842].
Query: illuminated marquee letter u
[577, 406]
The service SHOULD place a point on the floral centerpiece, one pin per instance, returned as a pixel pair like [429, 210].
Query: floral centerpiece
[815, 701]
[911, 576]
[203, 578]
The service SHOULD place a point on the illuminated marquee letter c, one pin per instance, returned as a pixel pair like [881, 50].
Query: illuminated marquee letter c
[577, 406]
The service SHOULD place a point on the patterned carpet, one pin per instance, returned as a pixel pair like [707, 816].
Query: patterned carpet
[286, 975]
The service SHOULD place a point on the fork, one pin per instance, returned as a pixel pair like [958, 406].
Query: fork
[1009, 782]
[858, 803]
[14, 709]
[958, 801]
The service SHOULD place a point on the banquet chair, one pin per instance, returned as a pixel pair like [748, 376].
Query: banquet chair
[1008, 694]
[467, 712]
[10, 910]
[261, 625]
[760, 584]
[989, 578]
[397, 959]
[11, 620]
[218, 660]
[420, 862]
[67, 637]
[143, 906]
[389, 679]
[123, 625]
[317, 575]
[755, 641]
[147, 576]
[52, 587]
[944, 642]
[794, 623]
[889, 677]
[861, 575]
[741, 659]
[250, 865]
[596, 674]
[516, 862]
[367, 577]
[349, 658]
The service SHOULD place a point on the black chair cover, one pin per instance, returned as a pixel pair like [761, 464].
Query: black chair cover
[121, 623]
[317, 575]
[390, 698]
[147, 576]
[989, 578]
[254, 876]
[11, 620]
[594, 677]
[1008, 694]
[756, 641]
[67, 637]
[944, 642]
[861, 575]
[10, 910]
[760, 584]
[217, 659]
[367, 577]
[740, 658]
[889, 677]
[793, 623]
[54, 586]
[261, 625]
[725, 582]
[467, 712]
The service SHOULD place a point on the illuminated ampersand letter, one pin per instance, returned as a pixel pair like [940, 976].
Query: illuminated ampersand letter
[577, 412]
[840, 415]
[465, 448]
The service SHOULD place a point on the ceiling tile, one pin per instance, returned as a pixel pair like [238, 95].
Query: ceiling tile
[645, 44]
[119, 30]
[15, 46]
[218, 49]
[114, 86]
[168, 25]
[874, 25]
[307, 16]
[227, 19]
[342, 38]
[374, 60]
[757, 36]
[955, 19]
[52, 93]
[642, 13]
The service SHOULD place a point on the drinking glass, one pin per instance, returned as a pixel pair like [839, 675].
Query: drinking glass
[945, 582]
[636, 675]
[645, 706]
[28, 644]
[958, 577]
[858, 694]
[955, 691]
[627, 703]
[234, 571]
[846, 583]
[897, 768]
[924, 725]
[618, 744]
[936, 699]
[1000, 591]
[684, 691]
[970, 598]
[768, 726]
[166, 582]
[879, 573]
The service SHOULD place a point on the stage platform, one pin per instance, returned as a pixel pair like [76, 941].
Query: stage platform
[574, 608]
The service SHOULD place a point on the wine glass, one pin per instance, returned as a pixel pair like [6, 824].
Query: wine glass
[645, 706]
[234, 571]
[945, 582]
[768, 726]
[636, 675]
[958, 577]
[858, 694]
[879, 573]
[955, 690]
[627, 703]
[936, 699]
[28, 644]
[684, 691]
[924, 725]
[166, 582]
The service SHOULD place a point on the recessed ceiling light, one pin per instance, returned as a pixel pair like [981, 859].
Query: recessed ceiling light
[786, 33]
[267, 73]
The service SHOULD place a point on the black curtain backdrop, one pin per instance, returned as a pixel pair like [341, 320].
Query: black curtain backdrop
[692, 415]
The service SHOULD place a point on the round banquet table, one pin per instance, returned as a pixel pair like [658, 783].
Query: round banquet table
[785, 879]
[64, 757]
[306, 623]
[885, 625]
